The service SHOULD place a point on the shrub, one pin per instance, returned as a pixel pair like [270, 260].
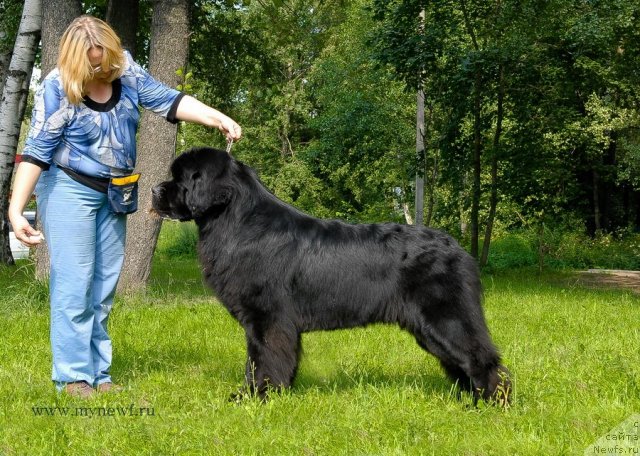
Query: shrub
[566, 250]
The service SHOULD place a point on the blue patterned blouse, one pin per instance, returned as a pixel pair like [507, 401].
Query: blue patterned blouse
[95, 139]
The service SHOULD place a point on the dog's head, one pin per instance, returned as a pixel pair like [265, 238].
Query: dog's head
[201, 183]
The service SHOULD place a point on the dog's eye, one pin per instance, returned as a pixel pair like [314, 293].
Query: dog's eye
[196, 175]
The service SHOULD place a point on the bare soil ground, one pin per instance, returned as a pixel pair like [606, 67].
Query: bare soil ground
[609, 278]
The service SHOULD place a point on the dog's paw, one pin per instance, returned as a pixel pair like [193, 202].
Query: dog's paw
[239, 396]
[243, 395]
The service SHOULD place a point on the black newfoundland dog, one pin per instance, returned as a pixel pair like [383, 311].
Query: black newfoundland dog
[281, 272]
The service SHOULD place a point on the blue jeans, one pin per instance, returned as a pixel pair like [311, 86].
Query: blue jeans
[86, 247]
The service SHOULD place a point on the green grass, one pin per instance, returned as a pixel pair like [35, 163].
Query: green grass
[574, 355]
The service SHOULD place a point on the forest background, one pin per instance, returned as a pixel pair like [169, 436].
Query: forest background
[527, 133]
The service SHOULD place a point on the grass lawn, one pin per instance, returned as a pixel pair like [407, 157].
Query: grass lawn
[574, 354]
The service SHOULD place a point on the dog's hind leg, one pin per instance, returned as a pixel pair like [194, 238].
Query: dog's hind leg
[272, 358]
[467, 354]
[457, 375]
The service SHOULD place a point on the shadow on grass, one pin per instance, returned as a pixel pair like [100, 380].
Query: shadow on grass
[194, 364]
[427, 382]
[228, 368]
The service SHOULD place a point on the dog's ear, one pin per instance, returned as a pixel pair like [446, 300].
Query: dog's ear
[206, 194]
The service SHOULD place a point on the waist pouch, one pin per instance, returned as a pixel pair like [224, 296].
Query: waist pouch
[123, 194]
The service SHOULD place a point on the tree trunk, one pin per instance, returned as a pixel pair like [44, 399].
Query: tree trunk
[123, 15]
[11, 9]
[24, 54]
[477, 138]
[636, 198]
[157, 138]
[420, 154]
[431, 188]
[609, 189]
[407, 213]
[493, 199]
[477, 167]
[56, 17]
[286, 148]
[420, 159]
[541, 245]
[596, 200]
[463, 203]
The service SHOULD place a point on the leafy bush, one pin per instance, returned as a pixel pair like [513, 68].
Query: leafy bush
[605, 251]
[513, 250]
[565, 250]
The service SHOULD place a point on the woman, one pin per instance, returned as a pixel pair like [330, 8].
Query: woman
[80, 148]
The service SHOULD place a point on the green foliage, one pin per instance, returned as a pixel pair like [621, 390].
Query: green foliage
[225, 53]
[282, 87]
[363, 127]
[604, 251]
[513, 250]
[565, 250]
[570, 120]
[629, 147]
[325, 92]
[186, 85]
[296, 185]
[10, 13]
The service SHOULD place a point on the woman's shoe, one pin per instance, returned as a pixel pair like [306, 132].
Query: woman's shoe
[80, 390]
[109, 387]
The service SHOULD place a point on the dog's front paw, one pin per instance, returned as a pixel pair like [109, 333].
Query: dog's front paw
[245, 394]
[240, 396]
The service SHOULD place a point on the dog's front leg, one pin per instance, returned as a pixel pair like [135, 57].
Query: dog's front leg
[272, 358]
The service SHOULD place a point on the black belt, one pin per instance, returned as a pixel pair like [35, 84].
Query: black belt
[100, 184]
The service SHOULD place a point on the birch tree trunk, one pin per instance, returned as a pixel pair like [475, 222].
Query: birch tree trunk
[9, 9]
[14, 93]
[420, 159]
[433, 181]
[156, 140]
[420, 153]
[56, 17]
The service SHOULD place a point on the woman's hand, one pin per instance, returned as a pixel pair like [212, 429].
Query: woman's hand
[230, 128]
[24, 182]
[193, 110]
[24, 232]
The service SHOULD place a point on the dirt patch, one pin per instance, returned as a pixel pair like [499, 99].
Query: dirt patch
[609, 278]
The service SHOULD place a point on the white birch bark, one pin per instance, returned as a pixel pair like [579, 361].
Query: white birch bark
[14, 96]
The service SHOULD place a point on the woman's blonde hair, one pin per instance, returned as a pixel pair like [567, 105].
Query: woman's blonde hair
[75, 68]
